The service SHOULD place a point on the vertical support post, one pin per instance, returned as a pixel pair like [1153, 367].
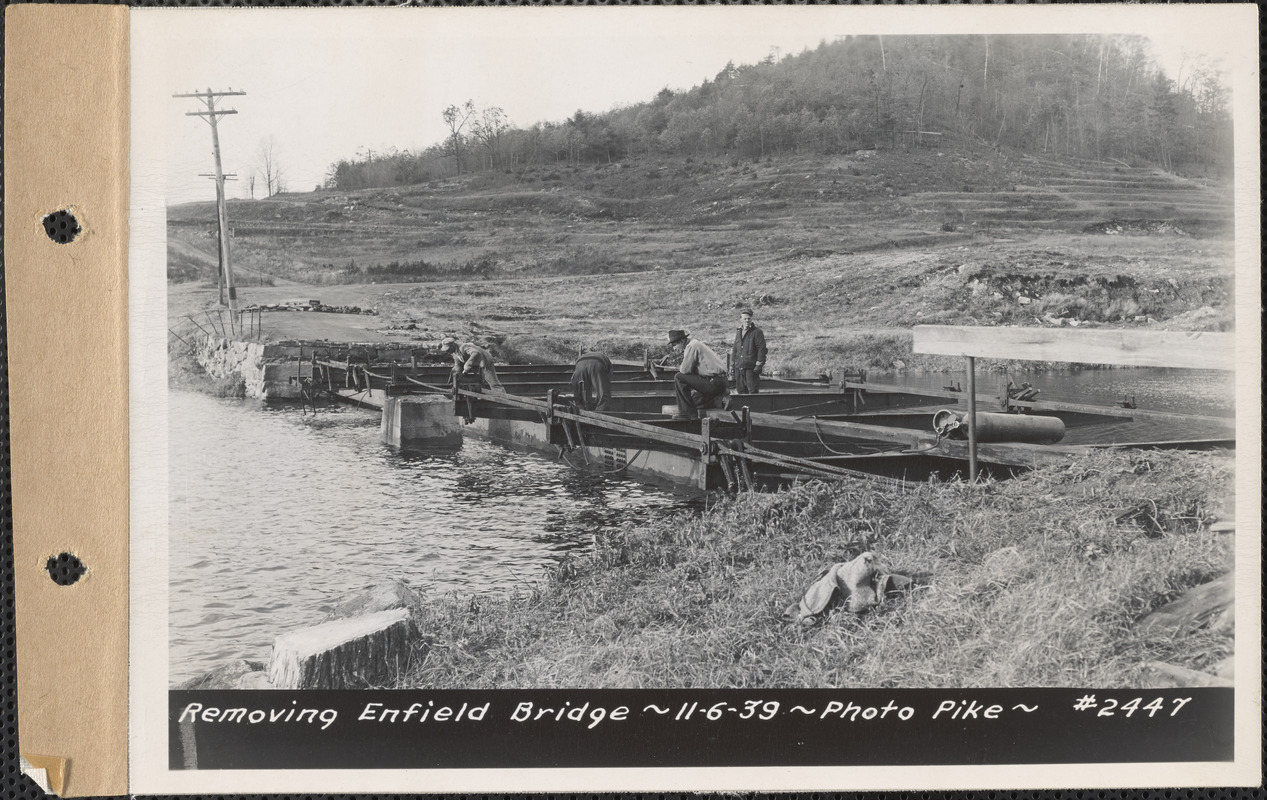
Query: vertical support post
[705, 451]
[972, 419]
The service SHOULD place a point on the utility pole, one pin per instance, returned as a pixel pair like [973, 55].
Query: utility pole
[222, 257]
[211, 115]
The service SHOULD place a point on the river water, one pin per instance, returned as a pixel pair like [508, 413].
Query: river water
[276, 517]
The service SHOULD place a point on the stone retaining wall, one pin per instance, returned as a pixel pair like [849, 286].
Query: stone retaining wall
[269, 372]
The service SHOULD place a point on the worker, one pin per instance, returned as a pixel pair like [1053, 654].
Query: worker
[702, 372]
[470, 357]
[592, 381]
[748, 355]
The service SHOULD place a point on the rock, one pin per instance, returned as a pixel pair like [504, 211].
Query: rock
[1160, 675]
[1002, 568]
[604, 627]
[855, 578]
[230, 676]
[383, 596]
[1023, 300]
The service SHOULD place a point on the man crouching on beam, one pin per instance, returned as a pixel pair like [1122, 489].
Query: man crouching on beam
[702, 372]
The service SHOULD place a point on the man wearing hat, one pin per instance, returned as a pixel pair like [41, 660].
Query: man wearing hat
[748, 356]
[469, 357]
[702, 372]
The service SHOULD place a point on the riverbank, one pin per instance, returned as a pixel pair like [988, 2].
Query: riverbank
[1036, 581]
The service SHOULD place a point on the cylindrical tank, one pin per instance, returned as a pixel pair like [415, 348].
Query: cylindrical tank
[1001, 427]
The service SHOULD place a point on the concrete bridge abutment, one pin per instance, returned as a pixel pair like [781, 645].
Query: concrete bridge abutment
[423, 420]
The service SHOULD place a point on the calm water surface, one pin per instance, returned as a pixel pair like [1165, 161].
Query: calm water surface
[276, 517]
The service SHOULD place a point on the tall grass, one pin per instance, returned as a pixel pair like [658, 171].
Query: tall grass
[1037, 581]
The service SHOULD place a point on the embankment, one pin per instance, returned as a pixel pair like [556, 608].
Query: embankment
[1038, 581]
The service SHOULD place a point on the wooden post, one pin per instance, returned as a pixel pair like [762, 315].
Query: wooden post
[972, 419]
[706, 451]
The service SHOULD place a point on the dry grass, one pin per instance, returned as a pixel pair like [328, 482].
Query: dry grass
[1037, 581]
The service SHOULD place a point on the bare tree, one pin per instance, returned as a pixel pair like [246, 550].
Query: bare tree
[250, 184]
[270, 167]
[456, 118]
[488, 130]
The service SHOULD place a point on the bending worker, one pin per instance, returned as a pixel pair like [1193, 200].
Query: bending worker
[702, 371]
[748, 356]
[469, 357]
[592, 381]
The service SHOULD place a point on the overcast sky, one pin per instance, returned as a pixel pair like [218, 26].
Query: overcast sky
[327, 82]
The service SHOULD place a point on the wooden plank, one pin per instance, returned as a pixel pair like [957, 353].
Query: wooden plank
[1198, 607]
[1189, 350]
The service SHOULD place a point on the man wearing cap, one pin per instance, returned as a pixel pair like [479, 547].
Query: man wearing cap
[748, 355]
[701, 371]
[469, 357]
[592, 381]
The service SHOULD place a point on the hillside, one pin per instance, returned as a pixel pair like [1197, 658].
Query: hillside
[652, 213]
[830, 250]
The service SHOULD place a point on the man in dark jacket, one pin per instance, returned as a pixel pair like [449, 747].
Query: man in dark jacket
[748, 356]
[592, 382]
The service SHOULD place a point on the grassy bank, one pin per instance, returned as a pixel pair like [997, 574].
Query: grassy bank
[1037, 581]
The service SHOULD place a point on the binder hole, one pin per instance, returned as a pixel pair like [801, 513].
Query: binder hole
[61, 226]
[65, 569]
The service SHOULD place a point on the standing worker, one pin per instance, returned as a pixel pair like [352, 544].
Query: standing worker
[702, 371]
[748, 355]
[469, 357]
[592, 381]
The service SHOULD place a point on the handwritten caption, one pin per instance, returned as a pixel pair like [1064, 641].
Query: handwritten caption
[591, 715]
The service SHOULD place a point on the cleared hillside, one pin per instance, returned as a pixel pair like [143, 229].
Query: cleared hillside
[667, 214]
[839, 257]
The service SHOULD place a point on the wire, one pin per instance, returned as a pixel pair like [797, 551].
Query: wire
[897, 452]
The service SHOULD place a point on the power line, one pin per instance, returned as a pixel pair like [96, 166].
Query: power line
[212, 115]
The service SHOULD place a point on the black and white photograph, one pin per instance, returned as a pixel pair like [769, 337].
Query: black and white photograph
[738, 398]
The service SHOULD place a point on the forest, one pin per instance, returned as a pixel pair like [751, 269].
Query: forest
[1096, 97]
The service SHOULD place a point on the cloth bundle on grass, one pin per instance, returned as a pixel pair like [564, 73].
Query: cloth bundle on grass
[860, 583]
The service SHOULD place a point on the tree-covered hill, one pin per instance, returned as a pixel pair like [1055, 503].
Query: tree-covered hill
[1085, 96]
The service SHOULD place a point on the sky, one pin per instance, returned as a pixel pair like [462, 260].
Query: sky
[327, 83]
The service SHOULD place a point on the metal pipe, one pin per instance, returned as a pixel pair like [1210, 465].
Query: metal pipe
[972, 419]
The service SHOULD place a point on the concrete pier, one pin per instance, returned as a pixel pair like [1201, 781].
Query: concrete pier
[426, 420]
[369, 650]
